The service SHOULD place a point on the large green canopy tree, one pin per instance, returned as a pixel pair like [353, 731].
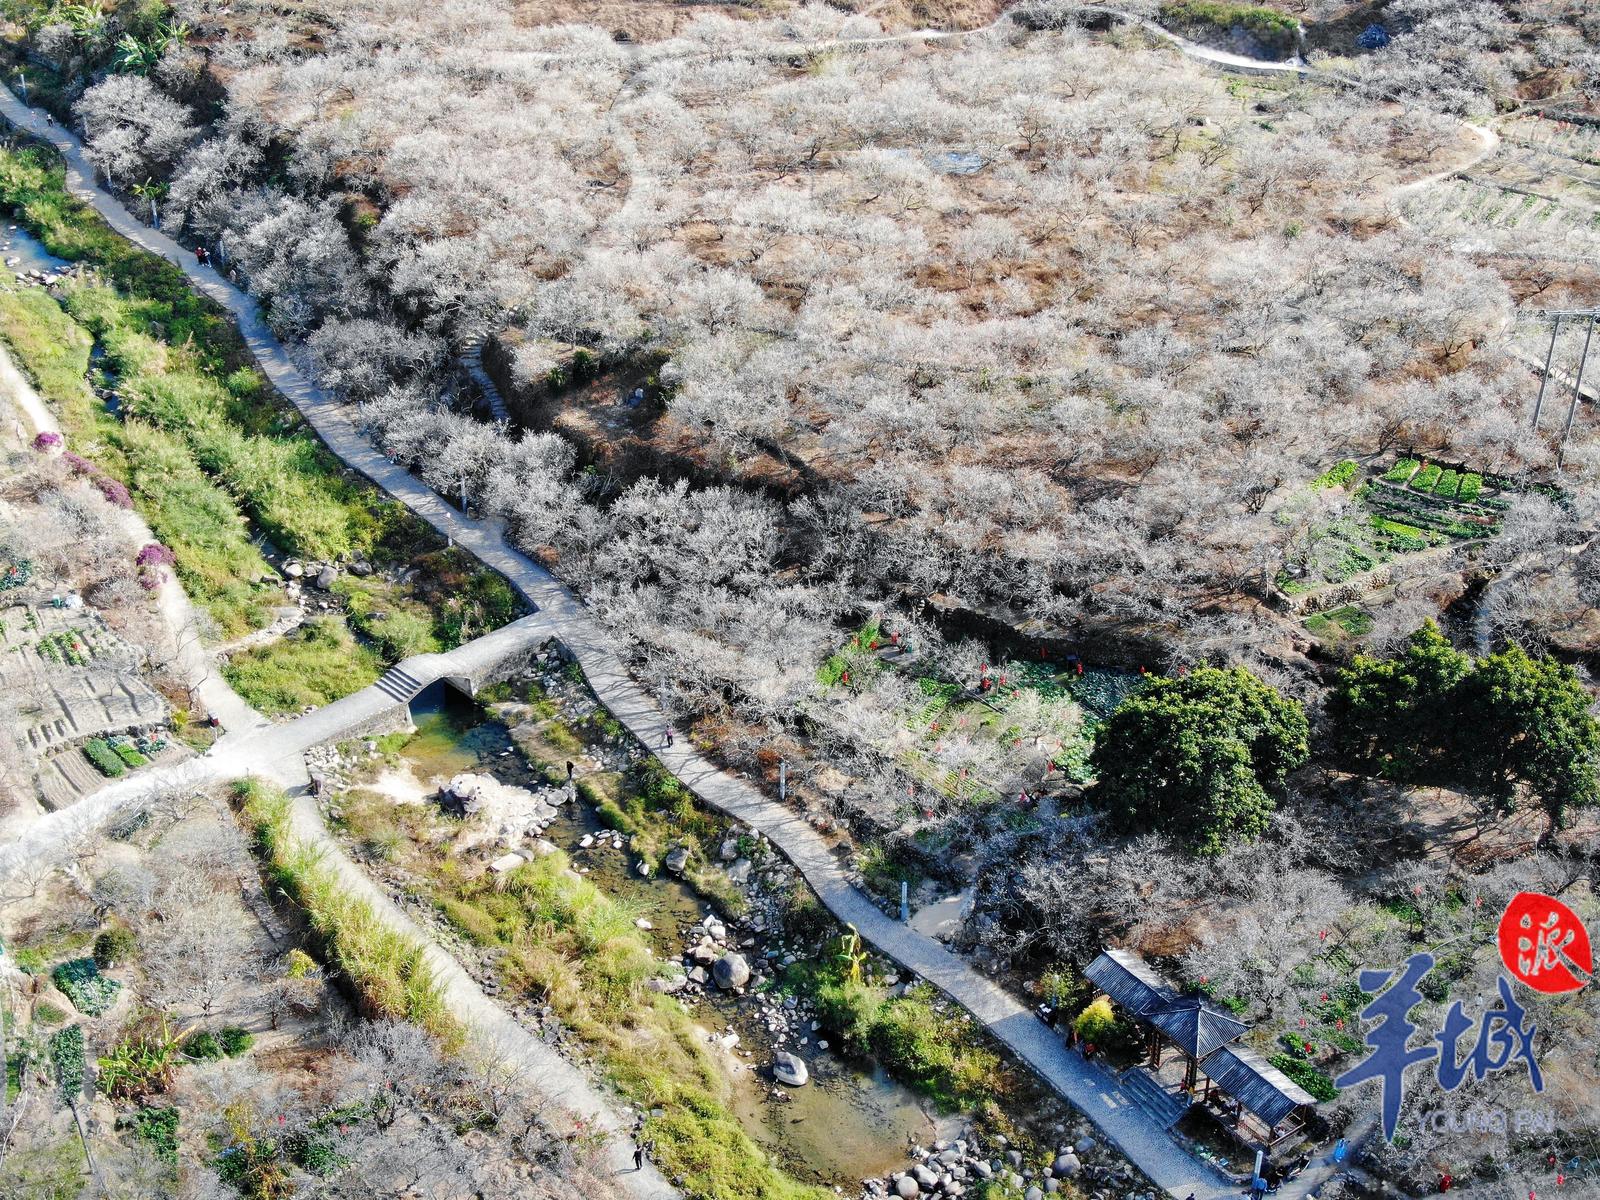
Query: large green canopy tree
[1504, 724]
[1198, 757]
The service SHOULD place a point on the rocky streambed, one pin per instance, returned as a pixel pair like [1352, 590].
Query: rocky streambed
[826, 1117]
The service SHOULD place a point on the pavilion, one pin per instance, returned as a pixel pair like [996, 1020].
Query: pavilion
[1261, 1105]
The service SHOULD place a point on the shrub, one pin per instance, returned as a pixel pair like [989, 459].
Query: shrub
[115, 492]
[1306, 1075]
[66, 1052]
[1506, 723]
[235, 1041]
[47, 441]
[158, 1127]
[202, 1046]
[1096, 1021]
[1196, 756]
[80, 981]
[115, 945]
[316, 1152]
[154, 554]
[106, 760]
[1337, 475]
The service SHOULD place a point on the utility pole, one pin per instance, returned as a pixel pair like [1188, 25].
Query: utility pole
[783, 779]
[1577, 393]
[1545, 378]
[1578, 314]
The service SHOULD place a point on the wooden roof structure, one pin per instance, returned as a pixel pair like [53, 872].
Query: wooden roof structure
[1195, 1026]
[1255, 1083]
[1132, 983]
[1203, 1032]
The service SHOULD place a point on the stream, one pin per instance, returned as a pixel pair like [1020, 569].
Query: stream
[851, 1122]
[23, 253]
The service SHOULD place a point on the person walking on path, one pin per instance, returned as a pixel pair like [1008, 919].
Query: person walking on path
[569, 770]
[667, 738]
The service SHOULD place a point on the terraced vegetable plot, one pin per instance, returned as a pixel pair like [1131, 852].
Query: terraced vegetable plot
[1411, 506]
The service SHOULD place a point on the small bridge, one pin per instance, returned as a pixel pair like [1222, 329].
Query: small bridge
[385, 706]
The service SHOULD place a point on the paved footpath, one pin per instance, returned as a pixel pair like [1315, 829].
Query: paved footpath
[558, 613]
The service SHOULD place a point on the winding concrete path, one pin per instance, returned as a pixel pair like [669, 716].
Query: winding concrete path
[559, 614]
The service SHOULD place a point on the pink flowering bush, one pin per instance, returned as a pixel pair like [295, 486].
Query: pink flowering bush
[150, 560]
[155, 554]
[113, 491]
[47, 441]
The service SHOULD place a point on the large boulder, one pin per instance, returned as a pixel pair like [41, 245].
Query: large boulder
[907, 1188]
[1067, 1166]
[788, 1069]
[731, 971]
[326, 578]
[677, 859]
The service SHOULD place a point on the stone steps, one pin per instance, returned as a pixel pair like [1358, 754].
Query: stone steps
[398, 685]
[472, 361]
[1160, 1104]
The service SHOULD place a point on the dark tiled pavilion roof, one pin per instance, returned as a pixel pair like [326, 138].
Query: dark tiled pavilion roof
[1201, 1030]
[1196, 1027]
[1255, 1083]
[1130, 981]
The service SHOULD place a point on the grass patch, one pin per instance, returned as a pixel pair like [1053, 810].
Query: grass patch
[1273, 30]
[387, 972]
[1346, 620]
[568, 942]
[932, 1050]
[313, 666]
[1337, 475]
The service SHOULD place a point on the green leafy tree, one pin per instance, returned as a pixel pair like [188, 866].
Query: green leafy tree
[1198, 757]
[1397, 714]
[1526, 721]
[1506, 723]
